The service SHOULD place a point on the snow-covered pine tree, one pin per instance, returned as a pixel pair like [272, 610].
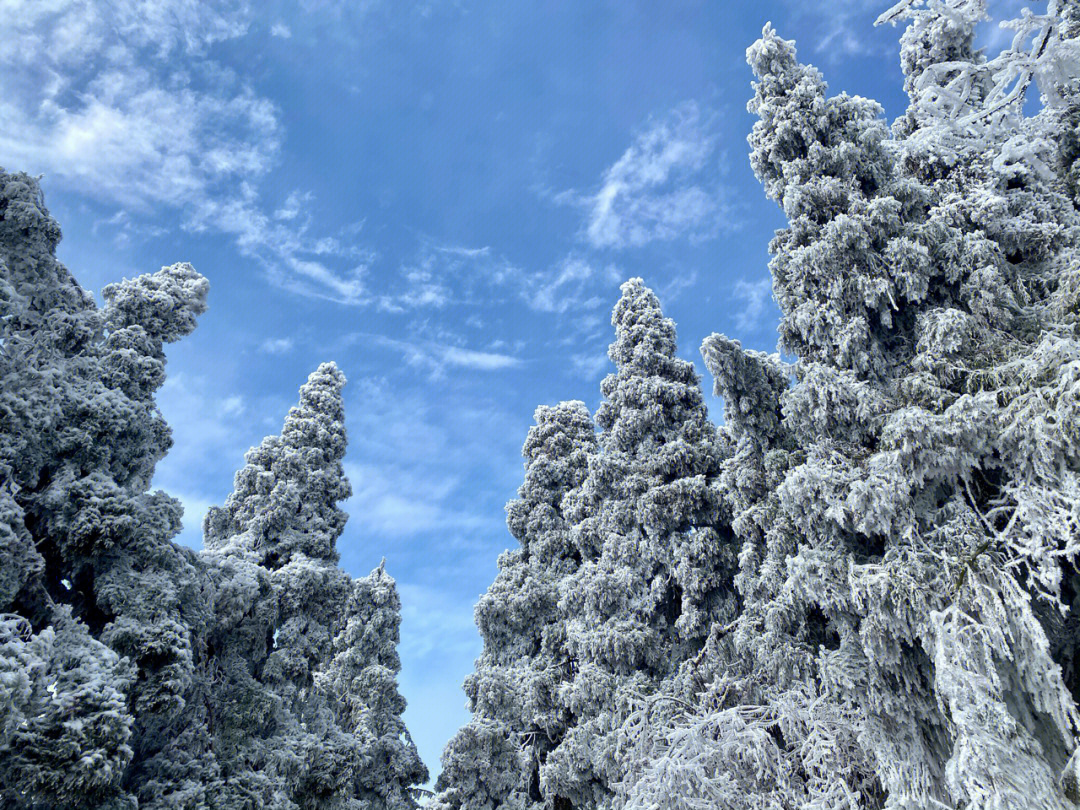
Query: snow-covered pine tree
[656, 552]
[135, 672]
[516, 693]
[88, 570]
[361, 683]
[321, 725]
[910, 530]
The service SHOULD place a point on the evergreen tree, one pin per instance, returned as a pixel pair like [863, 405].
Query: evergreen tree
[100, 607]
[135, 672]
[907, 505]
[656, 550]
[625, 564]
[516, 693]
[327, 728]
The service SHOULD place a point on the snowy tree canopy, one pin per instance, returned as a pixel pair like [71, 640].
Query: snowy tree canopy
[897, 629]
[625, 564]
[138, 673]
[907, 505]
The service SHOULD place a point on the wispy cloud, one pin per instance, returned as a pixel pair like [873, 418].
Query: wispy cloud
[399, 499]
[840, 30]
[466, 252]
[590, 366]
[211, 433]
[426, 285]
[121, 102]
[665, 185]
[292, 258]
[130, 137]
[680, 280]
[276, 345]
[754, 296]
[567, 287]
[233, 406]
[280, 30]
[290, 209]
[436, 357]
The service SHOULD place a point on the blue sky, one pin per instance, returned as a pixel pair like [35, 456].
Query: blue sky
[442, 197]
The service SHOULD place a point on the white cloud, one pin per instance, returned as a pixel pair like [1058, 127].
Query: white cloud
[117, 100]
[397, 500]
[121, 102]
[280, 30]
[678, 282]
[285, 249]
[480, 361]
[436, 357]
[77, 32]
[291, 208]
[590, 366]
[276, 345]
[754, 295]
[425, 287]
[840, 30]
[126, 138]
[469, 253]
[232, 406]
[665, 185]
[564, 290]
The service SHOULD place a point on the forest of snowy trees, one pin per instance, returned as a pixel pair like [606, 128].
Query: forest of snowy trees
[858, 591]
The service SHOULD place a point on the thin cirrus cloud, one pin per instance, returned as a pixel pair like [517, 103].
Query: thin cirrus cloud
[838, 30]
[664, 186]
[754, 296]
[276, 346]
[568, 287]
[121, 102]
[436, 357]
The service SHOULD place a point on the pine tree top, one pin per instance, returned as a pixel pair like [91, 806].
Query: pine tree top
[642, 333]
[285, 498]
[652, 392]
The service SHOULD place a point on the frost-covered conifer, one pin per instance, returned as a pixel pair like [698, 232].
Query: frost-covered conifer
[909, 525]
[657, 558]
[307, 652]
[625, 564]
[135, 672]
[360, 681]
[517, 692]
[100, 607]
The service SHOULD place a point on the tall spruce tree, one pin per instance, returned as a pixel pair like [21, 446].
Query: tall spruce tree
[135, 672]
[517, 692]
[100, 609]
[624, 566]
[656, 553]
[327, 724]
[909, 526]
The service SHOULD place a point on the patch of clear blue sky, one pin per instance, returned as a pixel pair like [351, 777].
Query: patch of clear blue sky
[423, 201]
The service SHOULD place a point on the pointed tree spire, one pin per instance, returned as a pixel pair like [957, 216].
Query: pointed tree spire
[286, 498]
[313, 651]
[656, 556]
[515, 694]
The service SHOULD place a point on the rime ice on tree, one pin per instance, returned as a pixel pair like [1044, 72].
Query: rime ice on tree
[907, 507]
[625, 563]
[135, 671]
